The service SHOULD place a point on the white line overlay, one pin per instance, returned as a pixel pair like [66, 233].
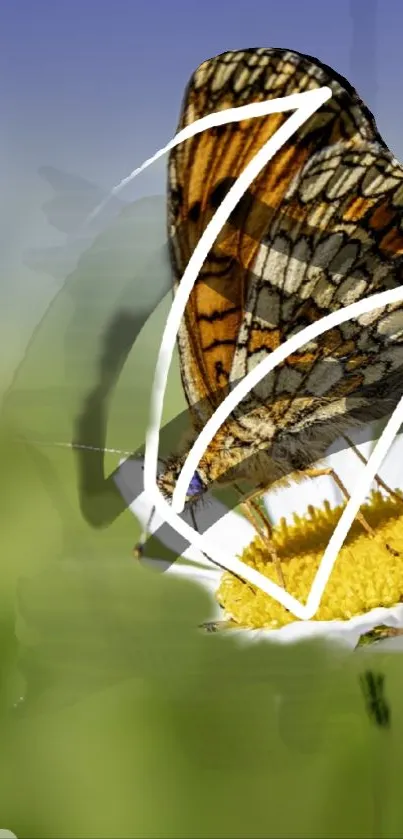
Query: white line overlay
[305, 105]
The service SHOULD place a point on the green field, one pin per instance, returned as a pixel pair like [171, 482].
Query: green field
[133, 723]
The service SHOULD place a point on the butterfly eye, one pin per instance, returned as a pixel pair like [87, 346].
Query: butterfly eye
[196, 485]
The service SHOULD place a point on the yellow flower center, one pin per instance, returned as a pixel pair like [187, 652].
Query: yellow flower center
[366, 574]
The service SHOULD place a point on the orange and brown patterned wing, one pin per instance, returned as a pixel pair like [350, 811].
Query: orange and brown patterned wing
[203, 168]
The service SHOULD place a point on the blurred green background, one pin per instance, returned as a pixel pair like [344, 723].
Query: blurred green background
[132, 723]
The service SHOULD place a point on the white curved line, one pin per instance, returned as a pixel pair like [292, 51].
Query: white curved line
[349, 513]
[361, 307]
[313, 100]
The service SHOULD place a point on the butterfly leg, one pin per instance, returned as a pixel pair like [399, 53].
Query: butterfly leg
[317, 473]
[252, 512]
[378, 480]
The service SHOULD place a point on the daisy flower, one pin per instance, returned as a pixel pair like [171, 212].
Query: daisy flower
[365, 589]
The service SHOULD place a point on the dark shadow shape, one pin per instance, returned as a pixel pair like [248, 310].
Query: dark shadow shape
[99, 502]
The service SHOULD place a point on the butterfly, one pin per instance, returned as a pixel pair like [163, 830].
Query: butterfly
[319, 228]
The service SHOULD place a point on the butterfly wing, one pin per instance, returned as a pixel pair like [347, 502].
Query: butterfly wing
[337, 238]
[202, 170]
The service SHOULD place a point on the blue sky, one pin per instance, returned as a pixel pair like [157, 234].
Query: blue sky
[93, 87]
[97, 84]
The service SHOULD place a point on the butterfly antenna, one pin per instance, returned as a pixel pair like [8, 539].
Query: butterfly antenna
[139, 547]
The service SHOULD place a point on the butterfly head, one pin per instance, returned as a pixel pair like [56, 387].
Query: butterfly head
[168, 479]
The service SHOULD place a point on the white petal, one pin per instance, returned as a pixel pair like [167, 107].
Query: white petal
[344, 633]
[284, 502]
[236, 533]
